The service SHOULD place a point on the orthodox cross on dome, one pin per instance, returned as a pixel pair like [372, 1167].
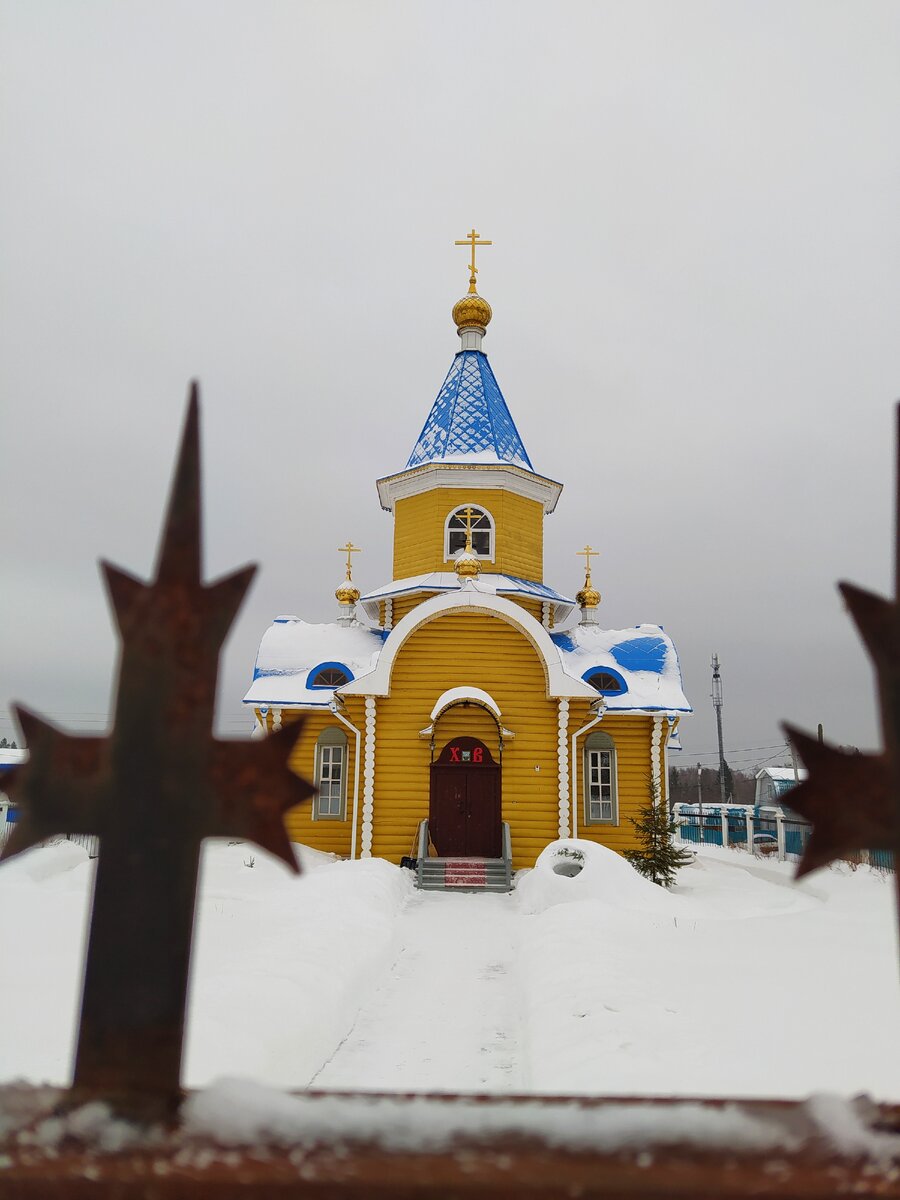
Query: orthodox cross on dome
[588, 597]
[468, 512]
[588, 553]
[348, 550]
[152, 791]
[473, 239]
[852, 799]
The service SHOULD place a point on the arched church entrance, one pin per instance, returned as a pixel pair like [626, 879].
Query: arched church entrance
[464, 808]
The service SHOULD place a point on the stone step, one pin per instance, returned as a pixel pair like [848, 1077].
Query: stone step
[464, 874]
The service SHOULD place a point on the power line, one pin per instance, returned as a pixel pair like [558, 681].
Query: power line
[741, 750]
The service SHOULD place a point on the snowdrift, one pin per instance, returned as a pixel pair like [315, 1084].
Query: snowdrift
[572, 870]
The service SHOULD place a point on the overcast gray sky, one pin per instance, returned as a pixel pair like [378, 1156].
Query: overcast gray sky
[694, 279]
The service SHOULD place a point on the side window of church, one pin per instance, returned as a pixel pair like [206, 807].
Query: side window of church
[331, 775]
[482, 532]
[600, 799]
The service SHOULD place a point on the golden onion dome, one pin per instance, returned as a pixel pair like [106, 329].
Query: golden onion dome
[472, 312]
[588, 597]
[467, 565]
[346, 593]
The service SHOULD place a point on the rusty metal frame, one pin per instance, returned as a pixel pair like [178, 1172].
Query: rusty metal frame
[160, 783]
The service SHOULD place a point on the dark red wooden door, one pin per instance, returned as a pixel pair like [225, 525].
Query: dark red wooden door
[464, 813]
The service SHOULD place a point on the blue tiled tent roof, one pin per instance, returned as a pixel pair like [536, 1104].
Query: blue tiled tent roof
[469, 419]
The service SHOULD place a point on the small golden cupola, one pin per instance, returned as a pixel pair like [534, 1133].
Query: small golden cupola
[346, 593]
[472, 314]
[466, 563]
[588, 597]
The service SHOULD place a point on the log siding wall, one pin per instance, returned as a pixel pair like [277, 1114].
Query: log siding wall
[419, 531]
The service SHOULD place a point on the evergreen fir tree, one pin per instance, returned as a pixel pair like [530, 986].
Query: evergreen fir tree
[658, 858]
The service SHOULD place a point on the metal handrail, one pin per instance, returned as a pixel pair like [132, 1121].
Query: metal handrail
[507, 854]
[423, 850]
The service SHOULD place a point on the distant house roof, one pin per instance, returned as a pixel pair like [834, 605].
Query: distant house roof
[782, 775]
[469, 421]
[773, 783]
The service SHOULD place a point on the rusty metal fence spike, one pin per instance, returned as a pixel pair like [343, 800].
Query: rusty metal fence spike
[853, 800]
[152, 791]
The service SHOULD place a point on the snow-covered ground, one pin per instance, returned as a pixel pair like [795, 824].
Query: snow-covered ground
[738, 981]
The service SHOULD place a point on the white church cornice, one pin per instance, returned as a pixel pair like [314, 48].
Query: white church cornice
[378, 681]
[491, 476]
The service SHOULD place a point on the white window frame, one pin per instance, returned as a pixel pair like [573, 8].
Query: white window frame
[455, 512]
[601, 788]
[331, 752]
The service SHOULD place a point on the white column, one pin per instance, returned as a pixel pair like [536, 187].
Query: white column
[724, 826]
[562, 752]
[368, 780]
[748, 821]
[779, 829]
[655, 755]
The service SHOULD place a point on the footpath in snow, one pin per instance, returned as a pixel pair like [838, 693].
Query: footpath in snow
[445, 1014]
[737, 982]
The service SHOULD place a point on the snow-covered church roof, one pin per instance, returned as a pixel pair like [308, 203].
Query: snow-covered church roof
[469, 421]
[292, 652]
[641, 661]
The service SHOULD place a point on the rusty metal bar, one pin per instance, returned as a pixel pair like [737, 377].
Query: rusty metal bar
[801, 1158]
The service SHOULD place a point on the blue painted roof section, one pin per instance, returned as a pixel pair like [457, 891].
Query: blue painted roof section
[538, 589]
[563, 641]
[469, 419]
[640, 654]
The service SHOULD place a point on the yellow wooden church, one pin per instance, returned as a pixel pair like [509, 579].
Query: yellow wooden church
[466, 713]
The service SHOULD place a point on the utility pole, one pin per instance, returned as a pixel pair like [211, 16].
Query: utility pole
[717, 705]
[700, 799]
[793, 752]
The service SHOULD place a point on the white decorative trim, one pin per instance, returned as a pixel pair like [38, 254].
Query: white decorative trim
[655, 745]
[276, 719]
[355, 818]
[378, 681]
[505, 476]
[546, 609]
[389, 612]
[573, 768]
[368, 780]
[458, 695]
[259, 729]
[562, 753]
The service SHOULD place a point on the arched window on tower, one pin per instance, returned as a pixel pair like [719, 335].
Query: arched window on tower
[601, 801]
[331, 774]
[482, 525]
